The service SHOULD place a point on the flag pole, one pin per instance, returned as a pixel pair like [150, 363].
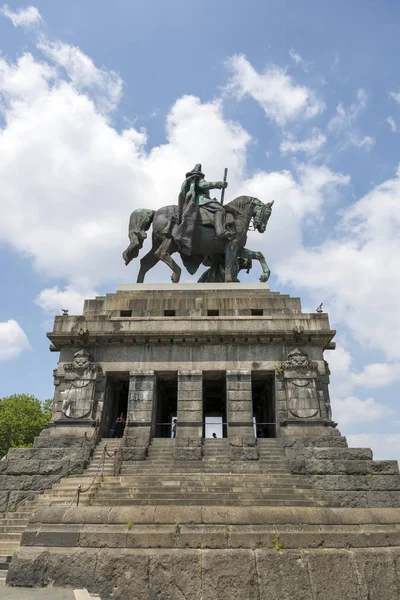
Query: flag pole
[223, 189]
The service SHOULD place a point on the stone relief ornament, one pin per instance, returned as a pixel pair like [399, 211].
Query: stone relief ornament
[80, 381]
[301, 391]
[298, 361]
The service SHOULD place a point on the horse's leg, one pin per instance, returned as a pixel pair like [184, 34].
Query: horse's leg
[163, 253]
[231, 261]
[147, 262]
[260, 257]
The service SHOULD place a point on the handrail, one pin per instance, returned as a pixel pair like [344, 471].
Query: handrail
[79, 490]
[118, 451]
[117, 455]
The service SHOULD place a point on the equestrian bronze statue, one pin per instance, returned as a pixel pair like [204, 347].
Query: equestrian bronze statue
[202, 230]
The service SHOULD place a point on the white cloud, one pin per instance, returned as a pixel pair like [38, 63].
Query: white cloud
[343, 123]
[392, 124]
[106, 84]
[71, 298]
[309, 146]
[377, 375]
[82, 177]
[395, 96]
[24, 17]
[281, 98]
[358, 272]
[386, 446]
[299, 60]
[355, 410]
[12, 340]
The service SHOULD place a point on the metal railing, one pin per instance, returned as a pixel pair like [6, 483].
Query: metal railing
[261, 430]
[117, 461]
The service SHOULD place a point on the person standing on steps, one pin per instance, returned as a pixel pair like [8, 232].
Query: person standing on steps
[174, 428]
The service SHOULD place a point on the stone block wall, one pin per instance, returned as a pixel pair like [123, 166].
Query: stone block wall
[350, 475]
[24, 471]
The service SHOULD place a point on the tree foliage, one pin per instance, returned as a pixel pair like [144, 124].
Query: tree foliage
[22, 418]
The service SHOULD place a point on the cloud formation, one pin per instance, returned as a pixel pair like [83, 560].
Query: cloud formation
[12, 340]
[281, 98]
[309, 146]
[24, 17]
[344, 123]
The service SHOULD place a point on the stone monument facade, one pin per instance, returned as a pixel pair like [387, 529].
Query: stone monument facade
[277, 506]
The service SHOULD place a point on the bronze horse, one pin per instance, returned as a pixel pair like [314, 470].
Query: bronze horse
[224, 257]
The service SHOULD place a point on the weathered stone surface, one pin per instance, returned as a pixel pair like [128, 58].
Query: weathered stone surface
[342, 453]
[243, 453]
[379, 574]
[124, 574]
[350, 499]
[135, 453]
[333, 575]
[379, 499]
[3, 501]
[177, 575]
[21, 466]
[229, 574]
[282, 575]
[187, 453]
[385, 467]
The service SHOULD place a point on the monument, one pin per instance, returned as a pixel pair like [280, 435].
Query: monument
[231, 479]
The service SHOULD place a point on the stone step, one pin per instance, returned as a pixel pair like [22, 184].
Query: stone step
[11, 528]
[201, 497]
[200, 502]
[10, 537]
[286, 485]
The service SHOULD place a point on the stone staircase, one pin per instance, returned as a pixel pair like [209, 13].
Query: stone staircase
[62, 493]
[215, 480]
[160, 480]
[12, 524]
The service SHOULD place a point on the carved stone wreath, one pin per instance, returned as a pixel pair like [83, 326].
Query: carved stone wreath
[299, 362]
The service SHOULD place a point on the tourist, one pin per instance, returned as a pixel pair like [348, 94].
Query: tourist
[120, 426]
[174, 428]
[214, 436]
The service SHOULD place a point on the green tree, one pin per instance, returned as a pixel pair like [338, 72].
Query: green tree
[22, 418]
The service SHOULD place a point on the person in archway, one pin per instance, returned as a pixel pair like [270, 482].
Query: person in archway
[214, 436]
[120, 426]
[174, 428]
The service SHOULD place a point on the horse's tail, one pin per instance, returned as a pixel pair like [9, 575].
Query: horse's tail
[139, 222]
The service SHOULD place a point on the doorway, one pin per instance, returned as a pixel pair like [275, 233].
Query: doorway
[214, 404]
[116, 401]
[166, 404]
[262, 385]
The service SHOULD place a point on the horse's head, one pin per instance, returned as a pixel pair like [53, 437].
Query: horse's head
[261, 214]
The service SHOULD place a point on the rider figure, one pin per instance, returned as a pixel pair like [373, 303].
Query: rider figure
[196, 189]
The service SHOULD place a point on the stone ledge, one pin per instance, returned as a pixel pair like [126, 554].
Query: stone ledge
[217, 515]
[197, 574]
[176, 535]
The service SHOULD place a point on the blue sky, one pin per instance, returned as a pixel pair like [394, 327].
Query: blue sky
[104, 108]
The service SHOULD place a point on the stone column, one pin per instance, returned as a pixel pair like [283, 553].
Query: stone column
[142, 388]
[189, 429]
[242, 442]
